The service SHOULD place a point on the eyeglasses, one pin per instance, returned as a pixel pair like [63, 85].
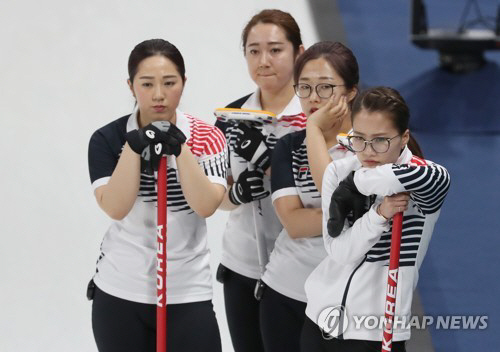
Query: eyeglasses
[379, 144]
[324, 90]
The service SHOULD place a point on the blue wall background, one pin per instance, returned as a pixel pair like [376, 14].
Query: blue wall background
[456, 119]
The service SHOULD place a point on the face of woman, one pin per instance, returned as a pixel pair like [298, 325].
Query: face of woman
[378, 127]
[269, 56]
[319, 75]
[158, 88]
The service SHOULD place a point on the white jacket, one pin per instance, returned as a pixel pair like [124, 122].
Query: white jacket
[354, 274]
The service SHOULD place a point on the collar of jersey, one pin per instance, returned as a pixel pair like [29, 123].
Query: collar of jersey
[405, 156]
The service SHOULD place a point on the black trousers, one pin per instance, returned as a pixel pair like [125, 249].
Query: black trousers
[121, 325]
[281, 321]
[312, 341]
[242, 311]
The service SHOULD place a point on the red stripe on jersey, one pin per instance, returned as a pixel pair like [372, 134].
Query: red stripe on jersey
[205, 138]
[296, 120]
[301, 125]
[300, 118]
[418, 161]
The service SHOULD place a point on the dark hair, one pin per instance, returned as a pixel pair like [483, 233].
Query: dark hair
[338, 56]
[387, 100]
[154, 47]
[281, 19]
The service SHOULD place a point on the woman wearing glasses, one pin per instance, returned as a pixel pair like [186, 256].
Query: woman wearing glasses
[360, 195]
[323, 74]
[271, 43]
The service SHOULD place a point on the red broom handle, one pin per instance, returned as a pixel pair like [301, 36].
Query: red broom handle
[161, 267]
[392, 281]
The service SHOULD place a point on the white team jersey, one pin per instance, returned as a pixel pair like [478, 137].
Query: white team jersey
[292, 260]
[354, 274]
[239, 241]
[127, 265]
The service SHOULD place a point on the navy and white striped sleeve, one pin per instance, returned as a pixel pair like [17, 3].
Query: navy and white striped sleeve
[428, 183]
[282, 180]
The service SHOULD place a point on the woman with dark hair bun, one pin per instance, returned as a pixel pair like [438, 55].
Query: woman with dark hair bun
[123, 172]
[360, 195]
[271, 44]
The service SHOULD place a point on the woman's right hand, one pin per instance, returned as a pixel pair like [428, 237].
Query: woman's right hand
[394, 204]
[248, 187]
[331, 114]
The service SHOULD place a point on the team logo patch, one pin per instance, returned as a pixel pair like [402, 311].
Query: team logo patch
[303, 170]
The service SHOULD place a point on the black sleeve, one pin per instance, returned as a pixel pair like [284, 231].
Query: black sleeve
[281, 167]
[105, 147]
[102, 161]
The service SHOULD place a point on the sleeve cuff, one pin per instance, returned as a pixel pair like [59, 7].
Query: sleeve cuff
[376, 219]
[289, 191]
[219, 180]
[100, 182]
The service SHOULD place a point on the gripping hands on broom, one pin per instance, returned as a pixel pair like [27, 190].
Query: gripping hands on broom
[346, 199]
[154, 140]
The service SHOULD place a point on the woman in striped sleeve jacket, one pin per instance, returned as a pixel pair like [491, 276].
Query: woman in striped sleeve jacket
[388, 178]
[121, 172]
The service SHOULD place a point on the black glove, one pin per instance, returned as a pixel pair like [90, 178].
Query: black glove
[158, 131]
[249, 187]
[154, 140]
[251, 146]
[345, 198]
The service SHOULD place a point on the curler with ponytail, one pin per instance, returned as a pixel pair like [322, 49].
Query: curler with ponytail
[387, 100]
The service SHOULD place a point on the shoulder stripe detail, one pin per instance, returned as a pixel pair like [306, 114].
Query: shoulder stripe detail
[205, 138]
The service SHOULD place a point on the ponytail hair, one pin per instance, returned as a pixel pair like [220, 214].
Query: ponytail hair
[415, 147]
[389, 101]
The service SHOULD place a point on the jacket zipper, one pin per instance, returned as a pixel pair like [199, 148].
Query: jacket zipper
[344, 298]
